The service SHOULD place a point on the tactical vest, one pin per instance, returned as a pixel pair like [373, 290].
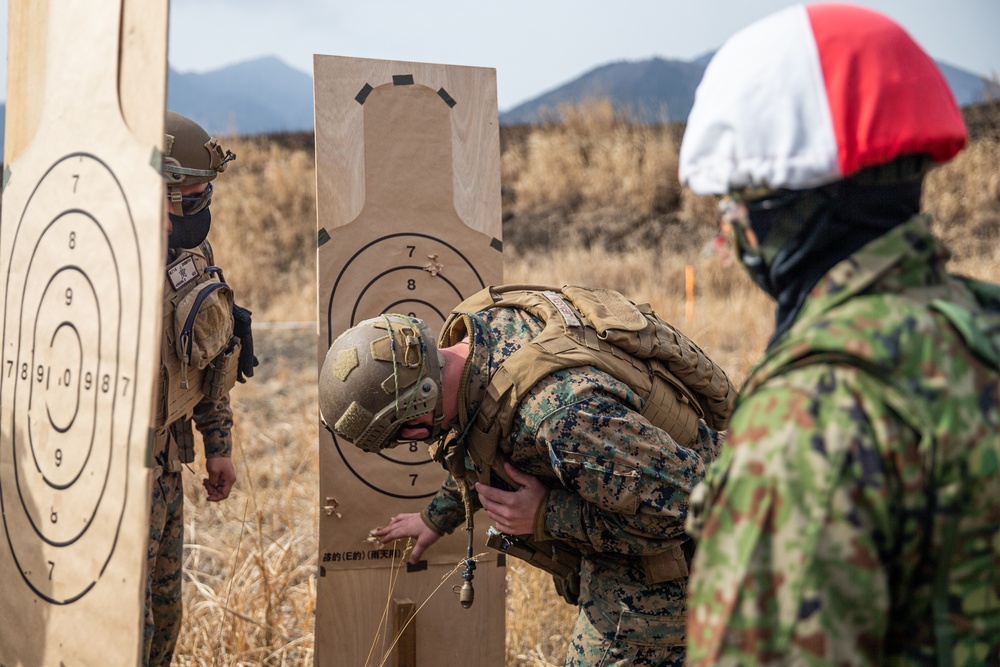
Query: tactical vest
[599, 328]
[947, 528]
[198, 352]
[677, 382]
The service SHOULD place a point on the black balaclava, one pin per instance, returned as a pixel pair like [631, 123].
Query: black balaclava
[189, 231]
[190, 228]
[803, 234]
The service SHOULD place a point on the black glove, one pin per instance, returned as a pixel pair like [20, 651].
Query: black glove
[242, 330]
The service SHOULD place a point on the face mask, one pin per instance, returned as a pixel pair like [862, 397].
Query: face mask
[767, 231]
[735, 223]
[752, 259]
[189, 231]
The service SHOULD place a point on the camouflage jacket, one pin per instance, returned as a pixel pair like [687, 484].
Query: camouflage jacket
[214, 420]
[854, 519]
[617, 485]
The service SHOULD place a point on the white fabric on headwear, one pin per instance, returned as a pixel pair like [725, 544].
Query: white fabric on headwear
[813, 94]
[762, 89]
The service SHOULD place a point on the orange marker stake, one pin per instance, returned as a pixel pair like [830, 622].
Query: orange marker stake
[689, 292]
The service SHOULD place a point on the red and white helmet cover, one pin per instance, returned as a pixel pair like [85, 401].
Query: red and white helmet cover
[813, 94]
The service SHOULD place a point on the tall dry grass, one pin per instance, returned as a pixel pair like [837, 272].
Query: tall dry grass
[594, 157]
[571, 190]
[264, 232]
[964, 197]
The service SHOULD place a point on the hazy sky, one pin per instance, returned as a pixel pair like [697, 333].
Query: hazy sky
[534, 45]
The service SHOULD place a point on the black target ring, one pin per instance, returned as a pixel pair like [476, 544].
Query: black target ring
[61, 531]
[400, 263]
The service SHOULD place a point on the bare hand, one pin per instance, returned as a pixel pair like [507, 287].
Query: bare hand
[513, 511]
[221, 477]
[403, 526]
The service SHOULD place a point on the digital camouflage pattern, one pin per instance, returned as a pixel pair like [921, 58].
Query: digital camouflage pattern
[618, 490]
[214, 420]
[163, 607]
[163, 570]
[854, 519]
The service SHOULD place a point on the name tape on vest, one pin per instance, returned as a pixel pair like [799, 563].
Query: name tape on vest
[182, 273]
[567, 313]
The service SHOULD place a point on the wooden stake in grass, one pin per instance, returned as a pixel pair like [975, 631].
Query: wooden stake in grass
[410, 619]
[394, 571]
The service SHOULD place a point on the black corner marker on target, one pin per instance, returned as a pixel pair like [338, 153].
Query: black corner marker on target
[448, 99]
[363, 93]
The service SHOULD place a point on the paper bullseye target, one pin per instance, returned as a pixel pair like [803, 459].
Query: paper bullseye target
[69, 369]
[401, 273]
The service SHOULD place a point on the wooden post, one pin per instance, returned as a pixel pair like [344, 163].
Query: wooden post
[405, 632]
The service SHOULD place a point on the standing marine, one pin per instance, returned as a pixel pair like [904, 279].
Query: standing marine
[578, 420]
[206, 346]
[854, 517]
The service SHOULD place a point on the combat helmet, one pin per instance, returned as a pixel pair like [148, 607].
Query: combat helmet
[855, 91]
[378, 375]
[190, 157]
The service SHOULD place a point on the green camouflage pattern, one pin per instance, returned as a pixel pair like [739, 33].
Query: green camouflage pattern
[854, 518]
[618, 490]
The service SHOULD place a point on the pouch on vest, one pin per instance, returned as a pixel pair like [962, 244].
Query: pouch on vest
[183, 437]
[563, 563]
[243, 329]
[222, 372]
[203, 322]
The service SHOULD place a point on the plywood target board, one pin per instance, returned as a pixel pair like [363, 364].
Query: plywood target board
[80, 265]
[409, 221]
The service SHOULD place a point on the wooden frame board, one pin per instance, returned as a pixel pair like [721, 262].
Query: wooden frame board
[409, 221]
[81, 261]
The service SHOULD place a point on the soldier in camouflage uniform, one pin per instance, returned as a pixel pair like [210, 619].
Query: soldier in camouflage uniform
[853, 520]
[192, 160]
[594, 474]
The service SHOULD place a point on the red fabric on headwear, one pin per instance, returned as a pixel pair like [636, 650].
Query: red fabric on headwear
[887, 97]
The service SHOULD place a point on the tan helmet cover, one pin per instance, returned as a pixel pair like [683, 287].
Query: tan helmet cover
[190, 155]
[377, 376]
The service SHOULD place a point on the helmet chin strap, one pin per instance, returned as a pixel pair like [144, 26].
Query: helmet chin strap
[447, 447]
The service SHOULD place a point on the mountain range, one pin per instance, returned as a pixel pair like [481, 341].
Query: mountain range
[659, 90]
[255, 97]
[266, 95]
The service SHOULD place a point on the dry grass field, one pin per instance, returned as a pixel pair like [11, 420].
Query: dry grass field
[591, 200]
